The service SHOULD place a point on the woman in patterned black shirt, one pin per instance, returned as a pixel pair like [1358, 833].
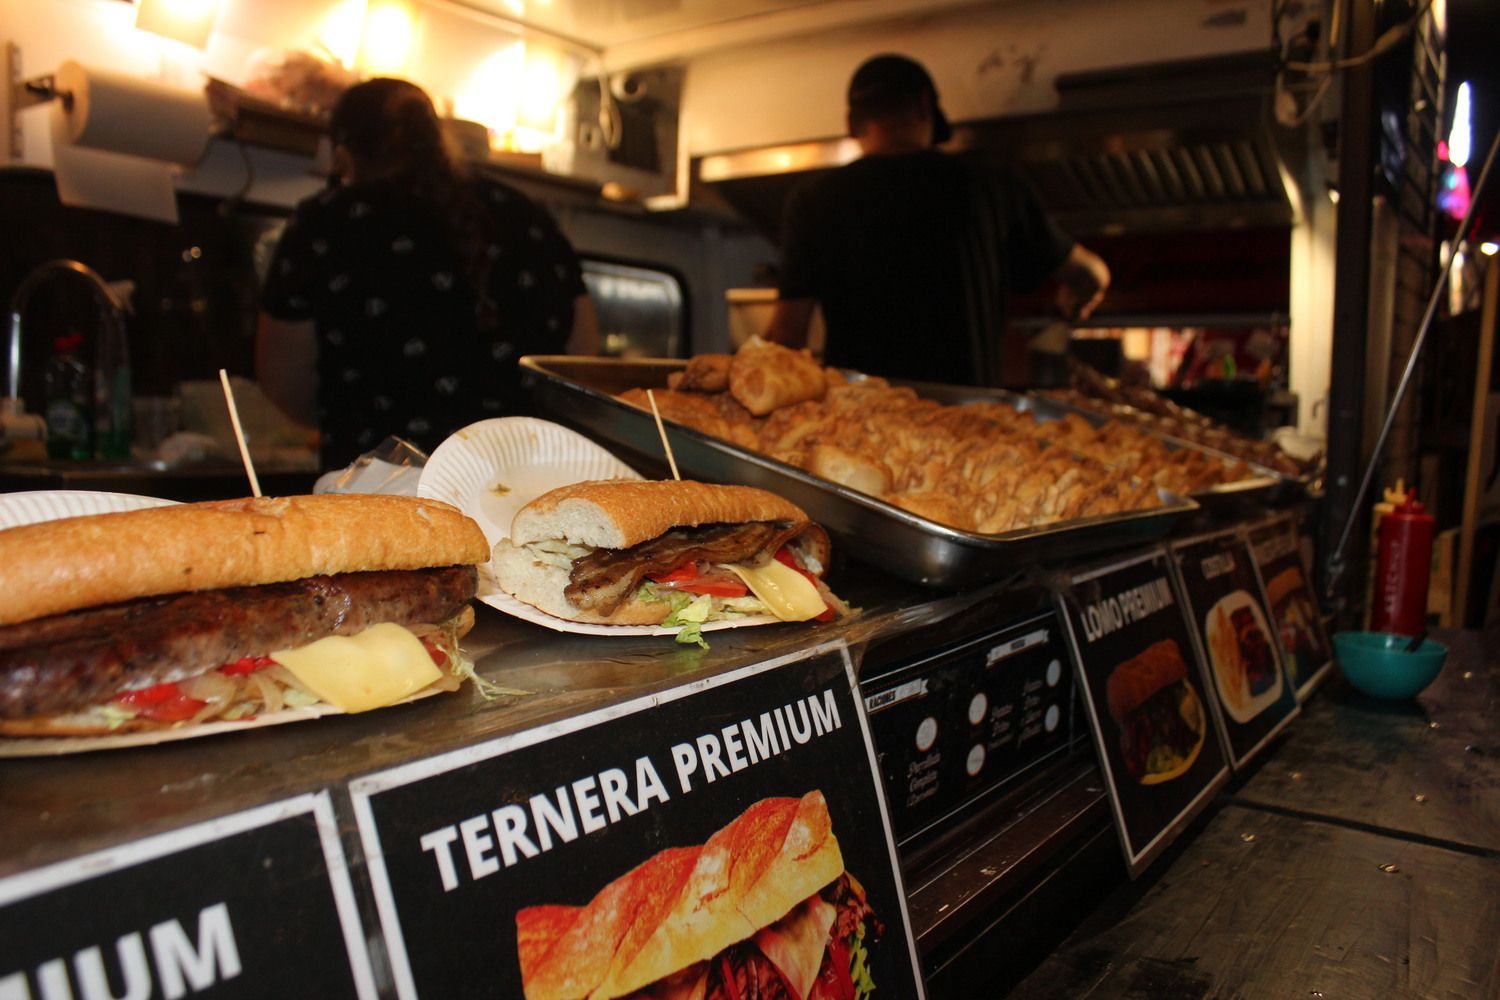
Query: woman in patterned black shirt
[398, 300]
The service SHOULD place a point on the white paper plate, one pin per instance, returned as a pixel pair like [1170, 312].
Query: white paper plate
[491, 469]
[17, 509]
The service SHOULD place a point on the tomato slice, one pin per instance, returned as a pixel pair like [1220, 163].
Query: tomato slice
[433, 650]
[246, 665]
[687, 571]
[163, 702]
[690, 579]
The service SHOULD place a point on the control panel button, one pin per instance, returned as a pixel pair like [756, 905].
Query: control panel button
[927, 731]
[975, 762]
[979, 705]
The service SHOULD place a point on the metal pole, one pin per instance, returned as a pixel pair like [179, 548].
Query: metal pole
[1336, 560]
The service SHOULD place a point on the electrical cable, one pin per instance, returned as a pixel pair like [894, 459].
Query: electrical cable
[1390, 39]
[1335, 564]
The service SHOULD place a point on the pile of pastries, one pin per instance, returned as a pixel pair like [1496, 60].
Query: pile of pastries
[1141, 407]
[985, 467]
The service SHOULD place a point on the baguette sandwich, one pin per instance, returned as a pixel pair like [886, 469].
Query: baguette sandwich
[763, 909]
[631, 552]
[229, 610]
[1161, 720]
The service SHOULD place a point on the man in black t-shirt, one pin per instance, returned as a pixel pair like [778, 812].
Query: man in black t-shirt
[912, 252]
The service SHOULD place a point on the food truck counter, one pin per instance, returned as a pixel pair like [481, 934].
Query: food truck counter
[971, 853]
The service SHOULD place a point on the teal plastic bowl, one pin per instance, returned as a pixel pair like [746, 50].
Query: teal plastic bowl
[1375, 662]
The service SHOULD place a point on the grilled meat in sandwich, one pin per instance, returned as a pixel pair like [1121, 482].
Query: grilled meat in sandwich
[1161, 720]
[228, 610]
[628, 552]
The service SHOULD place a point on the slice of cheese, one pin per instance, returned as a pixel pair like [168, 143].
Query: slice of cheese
[378, 667]
[795, 943]
[786, 592]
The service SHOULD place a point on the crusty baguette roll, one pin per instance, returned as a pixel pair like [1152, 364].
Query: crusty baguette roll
[1282, 584]
[682, 906]
[764, 376]
[620, 513]
[1144, 674]
[541, 585]
[81, 562]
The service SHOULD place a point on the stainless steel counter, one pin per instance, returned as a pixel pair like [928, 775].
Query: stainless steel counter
[203, 481]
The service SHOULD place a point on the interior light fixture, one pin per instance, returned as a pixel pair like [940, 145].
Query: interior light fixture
[389, 37]
[186, 21]
[1489, 248]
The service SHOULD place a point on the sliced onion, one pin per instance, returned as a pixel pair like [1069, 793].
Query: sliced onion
[212, 687]
[270, 693]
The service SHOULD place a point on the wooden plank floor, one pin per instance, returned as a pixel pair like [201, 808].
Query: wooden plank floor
[1324, 874]
[1429, 768]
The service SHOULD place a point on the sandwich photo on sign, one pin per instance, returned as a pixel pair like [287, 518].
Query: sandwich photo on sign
[763, 909]
[1244, 663]
[1161, 721]
[1241, 658]
[670, 553]
[192, 618]
[1149, 706]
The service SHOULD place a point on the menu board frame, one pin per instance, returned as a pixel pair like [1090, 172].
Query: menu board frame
[1146, 821]
[1234, 562]
[1286, 524]
[393, 807]
[122, 858]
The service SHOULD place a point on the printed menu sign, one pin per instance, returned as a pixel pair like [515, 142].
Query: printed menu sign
[959, 725]
[1157, 741]
[731, 828]
[1253, 699]
[1304, 644]
[257, 904]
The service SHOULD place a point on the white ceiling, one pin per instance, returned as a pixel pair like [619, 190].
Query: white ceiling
[637, 32]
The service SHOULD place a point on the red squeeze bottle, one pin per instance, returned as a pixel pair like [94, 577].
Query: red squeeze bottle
[1402, 568]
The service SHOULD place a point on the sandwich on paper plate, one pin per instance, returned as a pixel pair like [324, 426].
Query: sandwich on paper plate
[764, 909]
[631, 552]
[1161, 720]
[227, 611]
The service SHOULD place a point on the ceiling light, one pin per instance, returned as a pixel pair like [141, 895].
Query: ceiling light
[186, 21]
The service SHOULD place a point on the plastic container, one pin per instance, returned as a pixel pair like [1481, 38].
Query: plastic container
[1403, 569]
[69, 409]
[1377, 663]
[112, 390]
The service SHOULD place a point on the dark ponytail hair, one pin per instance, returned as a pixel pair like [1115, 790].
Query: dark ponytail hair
[392, 132]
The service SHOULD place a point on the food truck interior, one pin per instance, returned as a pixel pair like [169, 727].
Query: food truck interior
[1197, 147]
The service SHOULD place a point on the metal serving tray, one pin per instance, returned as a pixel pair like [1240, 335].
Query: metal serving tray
[581, 392]
[1279, 487]
[1266, 486]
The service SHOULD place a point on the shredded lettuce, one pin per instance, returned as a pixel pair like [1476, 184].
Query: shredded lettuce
[692, 634]
[695, 612]
[463, 667]
[859, 965]
[115, 717]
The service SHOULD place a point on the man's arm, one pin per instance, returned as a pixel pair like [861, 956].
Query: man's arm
[1082, 279]
[790, 321]
[286, 365]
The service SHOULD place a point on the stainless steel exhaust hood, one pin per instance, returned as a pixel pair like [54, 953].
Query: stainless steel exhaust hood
[1189, 145]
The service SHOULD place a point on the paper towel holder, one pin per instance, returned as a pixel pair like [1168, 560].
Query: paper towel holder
[24, 94]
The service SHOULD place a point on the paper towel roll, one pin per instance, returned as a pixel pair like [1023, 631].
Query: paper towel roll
[126, 114]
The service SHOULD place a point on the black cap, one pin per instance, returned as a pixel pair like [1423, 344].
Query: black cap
[886, 80]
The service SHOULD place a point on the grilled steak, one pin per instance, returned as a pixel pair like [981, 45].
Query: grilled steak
[603, 579]
[74, 660]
